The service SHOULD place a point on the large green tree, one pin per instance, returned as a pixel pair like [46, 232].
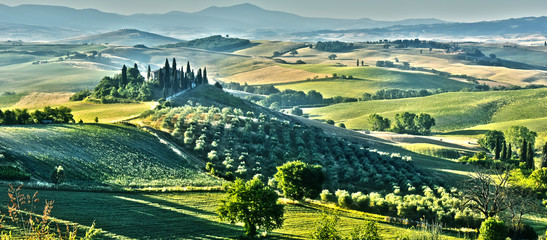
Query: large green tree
[298, 179]
[404, 123]
[378, 123]
[424, 122]
[516, 134]
[252, 203]
[492, 141]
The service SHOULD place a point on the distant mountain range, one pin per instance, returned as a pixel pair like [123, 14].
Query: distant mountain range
[47, 23]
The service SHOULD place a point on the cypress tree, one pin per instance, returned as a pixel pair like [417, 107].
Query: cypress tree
[205, 80]
[188, 69]
[543, 162]
[523, 154]
[509, 152]
[1, 116]
[124, 76]
[135, 66]
[164, 91]
[160, 77]
[530, 156]
[503, 151]
[175, 82]
[497, 149]
[199, 77]
[357, 62]
[182, 79]
[148, 74]
[167, 73]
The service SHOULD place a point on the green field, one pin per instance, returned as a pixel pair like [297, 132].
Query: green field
[368, 80]
[49, 77]
[452, 111]
[189, 215]
[94, 154]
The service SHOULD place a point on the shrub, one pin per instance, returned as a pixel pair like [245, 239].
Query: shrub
[81, 95]
[13, 173]
[368, 232]
[58, 175]
[326, 228]
[492, 229]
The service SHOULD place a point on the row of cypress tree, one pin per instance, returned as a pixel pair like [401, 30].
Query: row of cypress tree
[174, 80]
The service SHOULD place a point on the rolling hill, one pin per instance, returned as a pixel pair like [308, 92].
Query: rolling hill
[95, 154]
[127, 37]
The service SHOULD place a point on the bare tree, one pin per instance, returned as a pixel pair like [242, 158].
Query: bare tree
[488, 191]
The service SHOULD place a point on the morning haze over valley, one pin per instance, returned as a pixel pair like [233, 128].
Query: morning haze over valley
[255, 119]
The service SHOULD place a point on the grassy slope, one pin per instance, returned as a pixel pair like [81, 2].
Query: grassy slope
[105, 154]
[369, 79]
[50, 77]
[190, 215]
[451, 110]
[266, 48]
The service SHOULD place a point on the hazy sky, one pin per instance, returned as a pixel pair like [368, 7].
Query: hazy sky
[455, 10]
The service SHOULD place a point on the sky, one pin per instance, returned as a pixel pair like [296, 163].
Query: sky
[458, 10]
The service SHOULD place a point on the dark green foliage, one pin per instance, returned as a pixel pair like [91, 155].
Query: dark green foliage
[516, 134]
[509, 152]
[326, 228]
[61, 114]
[530, 156]
[398, 93]
[491, 140]
[217, 43]
[367, 232]
[332, 56]
[412, 123]
[543, 160]
[522, 231]
[334, 46]
[252, 203]
[57, 175]
[205, 79]
[523, 153]
[130, 85]
[123, 81]
[378, 123]
[296, 111]
[503, 155]
[13, 173]
[81, 95]
[492, 229]
[300, 62]
[148, 74]
[299, 180]
[330, 122]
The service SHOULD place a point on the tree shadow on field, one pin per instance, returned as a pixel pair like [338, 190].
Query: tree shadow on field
[464, 132]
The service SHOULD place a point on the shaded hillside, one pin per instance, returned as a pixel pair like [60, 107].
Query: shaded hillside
[126, 37]
[209, 95]
[99, 154]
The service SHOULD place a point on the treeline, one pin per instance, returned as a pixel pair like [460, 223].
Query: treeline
[238, 144]
[291, 98]
[130, 85]
[504, 146]
[216, 43]
[403, 123]
[399, 93]
[48, 115]
[407, 206]
[334, 46]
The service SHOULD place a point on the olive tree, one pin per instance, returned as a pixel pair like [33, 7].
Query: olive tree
[298, 179]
